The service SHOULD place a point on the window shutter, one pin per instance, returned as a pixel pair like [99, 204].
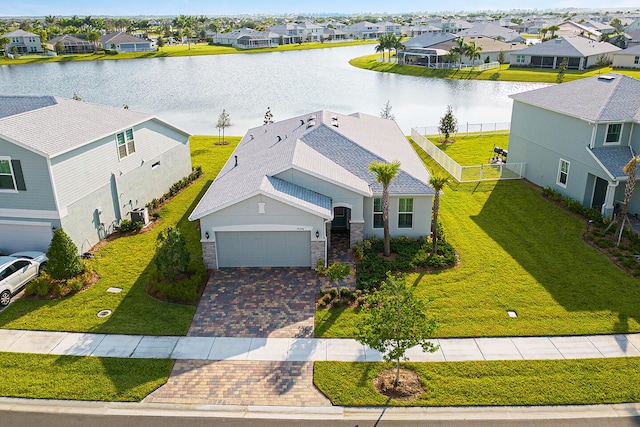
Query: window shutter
[17, 174]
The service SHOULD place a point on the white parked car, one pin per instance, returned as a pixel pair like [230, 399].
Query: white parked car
[17, 270]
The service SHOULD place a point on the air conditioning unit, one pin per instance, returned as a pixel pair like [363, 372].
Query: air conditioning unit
[140, 215]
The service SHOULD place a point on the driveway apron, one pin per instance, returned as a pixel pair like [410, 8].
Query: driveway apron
[249, 302]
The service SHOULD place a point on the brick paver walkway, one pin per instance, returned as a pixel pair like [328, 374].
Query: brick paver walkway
[240, 383]
[257, 302]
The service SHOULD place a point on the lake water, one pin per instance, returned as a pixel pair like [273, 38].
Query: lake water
[190, 92]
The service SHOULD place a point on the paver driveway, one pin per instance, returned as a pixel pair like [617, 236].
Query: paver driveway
[257, 302]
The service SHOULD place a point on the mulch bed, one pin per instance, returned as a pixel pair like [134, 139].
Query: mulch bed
[409, 386]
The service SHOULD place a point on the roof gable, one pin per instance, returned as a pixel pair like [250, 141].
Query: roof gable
[609, 98]
[52, 126]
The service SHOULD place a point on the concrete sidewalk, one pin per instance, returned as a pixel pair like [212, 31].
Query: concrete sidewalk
[312, 349]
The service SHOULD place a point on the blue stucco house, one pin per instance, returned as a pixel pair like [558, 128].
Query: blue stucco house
[289, 185]
[576, 137]
[80, 166]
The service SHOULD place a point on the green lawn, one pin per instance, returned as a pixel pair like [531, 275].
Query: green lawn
[472, 149]
[37, 376]
[490, 383]
[169, 51]
[517, 252]
[126, 263]
[505, 73]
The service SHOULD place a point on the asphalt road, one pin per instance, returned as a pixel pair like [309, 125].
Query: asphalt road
[12, 418]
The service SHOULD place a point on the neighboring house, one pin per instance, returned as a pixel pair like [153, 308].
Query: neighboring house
[80, 166]
[123, 42]
[289, 33]
[633, 37]
[628, 58]
[492, 31]
[600, 27]
[71, 44]
[246, 38]
[367, 30]
[428, 39]
[634, 26]
[416, 30]
[570, 28]
[332, 34]
[581, 53]
[576, 137]
[290, 184]
[23, 41]
[432, 54]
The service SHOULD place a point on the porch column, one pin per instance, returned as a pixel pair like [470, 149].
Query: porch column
[209, 254]
[607, 208]
[356, 232]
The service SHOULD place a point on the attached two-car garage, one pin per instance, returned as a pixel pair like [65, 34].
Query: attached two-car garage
[263, 248]
[24, 236]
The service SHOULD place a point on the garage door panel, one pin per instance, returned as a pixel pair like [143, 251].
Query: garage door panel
[264, 249]
[24, 236]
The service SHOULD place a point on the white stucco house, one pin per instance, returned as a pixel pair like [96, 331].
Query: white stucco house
[80, 166]
[290, 184]
[628, 58]
[23, 41]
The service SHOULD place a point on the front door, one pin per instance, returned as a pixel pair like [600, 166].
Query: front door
[599, 193]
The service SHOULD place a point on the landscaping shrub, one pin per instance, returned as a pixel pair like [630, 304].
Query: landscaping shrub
[574, 205]
[128, 225]
[64, 261]
[39, 286]
[171, 257]
[411, 253]
[185, 291]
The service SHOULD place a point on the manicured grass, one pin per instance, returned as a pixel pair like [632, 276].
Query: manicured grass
[126, 263]
[472, 149]
[505, 73]
[517, 252]
[38, 376]
[490, 383]
[176, 50]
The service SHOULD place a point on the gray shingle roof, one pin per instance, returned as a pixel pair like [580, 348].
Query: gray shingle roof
[12, 105]
[608, 98]
[52, 125]
[120, 37]
[613, 159]
[633, 50]
[572, 47]
[313, 144]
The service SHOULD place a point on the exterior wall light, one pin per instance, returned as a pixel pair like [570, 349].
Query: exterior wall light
[206, 235]
[317, 234]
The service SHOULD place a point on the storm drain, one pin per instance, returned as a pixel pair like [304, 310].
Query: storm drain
[104, 313]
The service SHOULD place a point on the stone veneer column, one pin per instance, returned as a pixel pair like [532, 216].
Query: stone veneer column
[317, 252]
[356, 233]
[209, 255]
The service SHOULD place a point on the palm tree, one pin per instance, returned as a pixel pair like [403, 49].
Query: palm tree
[544, 32]
[4, 41]
[459, 50]
[397, 45]
[553, 30]
[473, 52]
[383, 44]
[631, 170]
[438, 183]
[385, 172]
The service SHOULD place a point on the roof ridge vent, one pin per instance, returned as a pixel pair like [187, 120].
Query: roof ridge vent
[606, 78]
[311, 123]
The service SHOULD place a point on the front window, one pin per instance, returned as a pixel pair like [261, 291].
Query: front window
[405, 213]
[520, 59]
[7, 181]
[563, 173]
[126, 144]
[378, 220]
[614, 131]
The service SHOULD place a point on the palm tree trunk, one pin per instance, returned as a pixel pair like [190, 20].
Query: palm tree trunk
[434, 225]
[385, 220]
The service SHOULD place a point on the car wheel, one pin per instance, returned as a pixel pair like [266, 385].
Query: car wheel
[42, 268]
[5, 298]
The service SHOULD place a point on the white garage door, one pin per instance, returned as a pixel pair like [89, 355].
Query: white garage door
[24, 236]
[263, 248]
